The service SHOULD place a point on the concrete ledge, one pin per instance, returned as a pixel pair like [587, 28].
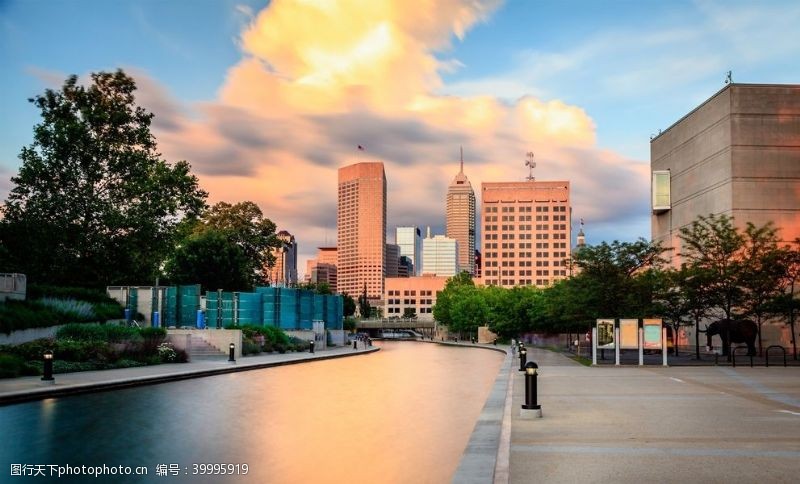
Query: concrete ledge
[75, 389]
[480, 458]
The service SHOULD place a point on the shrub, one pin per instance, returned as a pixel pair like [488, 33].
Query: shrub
[280, 348]
[250, 347]
[36, 291]
[109, 333]
[76, 310]
[153, 333]
[10, 365]
[167, 353]
[26, 314]
[108, 310]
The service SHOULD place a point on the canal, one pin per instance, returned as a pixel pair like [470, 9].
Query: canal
[401, 415]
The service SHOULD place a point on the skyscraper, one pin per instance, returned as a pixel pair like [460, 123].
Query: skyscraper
[361, 232]
[525, 228]
[410, 241]
[439, 255]
[461, 219]
[284, 272]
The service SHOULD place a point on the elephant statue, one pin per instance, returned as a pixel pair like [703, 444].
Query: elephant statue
[732, 331]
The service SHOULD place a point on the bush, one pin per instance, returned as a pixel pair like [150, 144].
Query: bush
[108, 310]
[153, 333]
[25, 314]
[98, 332]
[76, 310]
[10, 366]
[250, 347]
[36, 291]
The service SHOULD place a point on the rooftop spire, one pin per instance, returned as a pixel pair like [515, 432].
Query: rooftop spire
[462, 159]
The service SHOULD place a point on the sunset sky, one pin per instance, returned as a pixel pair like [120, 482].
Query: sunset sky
[267, 99]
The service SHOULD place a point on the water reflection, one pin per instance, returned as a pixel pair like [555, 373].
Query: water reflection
[403, 414]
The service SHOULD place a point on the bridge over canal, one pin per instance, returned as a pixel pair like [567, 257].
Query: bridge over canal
[376, 326]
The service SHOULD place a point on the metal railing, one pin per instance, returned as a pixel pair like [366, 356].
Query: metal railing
[733, 355]
[783, 350]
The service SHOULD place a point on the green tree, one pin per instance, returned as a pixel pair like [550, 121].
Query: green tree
[348, 305]
[764, 269]
[244, 224]
[364, 308]
[469, 310]
[210, 259]
[713, 246]
[93, 202]
[444, 300]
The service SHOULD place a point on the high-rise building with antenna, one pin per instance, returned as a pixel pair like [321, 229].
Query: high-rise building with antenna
[461, 218]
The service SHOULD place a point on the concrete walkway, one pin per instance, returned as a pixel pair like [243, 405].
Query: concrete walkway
[15, 390]
[656, 424]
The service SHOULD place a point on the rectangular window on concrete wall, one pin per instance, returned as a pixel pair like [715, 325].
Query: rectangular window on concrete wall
[661, 192]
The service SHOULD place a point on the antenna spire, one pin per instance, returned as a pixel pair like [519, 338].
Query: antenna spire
[462, 159]
[531, 165]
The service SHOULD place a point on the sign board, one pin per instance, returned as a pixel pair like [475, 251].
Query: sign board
[652, 334]
[605, 333]
[629, 334]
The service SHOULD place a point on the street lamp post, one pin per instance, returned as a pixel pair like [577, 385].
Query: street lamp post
[311, 346]
[531, 404]
[523, 357]
[231, 348]
[48, 367]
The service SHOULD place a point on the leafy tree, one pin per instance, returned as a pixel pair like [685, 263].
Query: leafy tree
[409, 313]
[764, 269]
[714, 246]
[93, 202]
[348, 305]
[469, 310]
[349, 325]
[210, 259]
[364, 308]
[317, 287]
[518, 310]
[244, 224]
[444, 300]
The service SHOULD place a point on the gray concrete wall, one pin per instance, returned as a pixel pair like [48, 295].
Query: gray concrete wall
[25, 335]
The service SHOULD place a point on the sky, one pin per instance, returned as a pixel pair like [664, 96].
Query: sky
[266, 100]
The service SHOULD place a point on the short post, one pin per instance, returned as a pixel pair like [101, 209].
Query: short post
[231, 348]
[594, 346]
[641, 346]
[355, 344]
[48, 367]
[311, 346]
[616, 342]
[495, 341]
[664, 346]
[523, 358]
[531, 408]
[473, 340]
[369, 341]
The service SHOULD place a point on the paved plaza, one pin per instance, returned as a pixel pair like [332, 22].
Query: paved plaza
[656, 424]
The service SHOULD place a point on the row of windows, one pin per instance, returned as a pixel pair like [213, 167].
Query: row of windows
[392, 310]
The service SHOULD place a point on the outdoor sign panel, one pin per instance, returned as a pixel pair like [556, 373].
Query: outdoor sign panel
[605, 333]
[629, 334]
[652, 334]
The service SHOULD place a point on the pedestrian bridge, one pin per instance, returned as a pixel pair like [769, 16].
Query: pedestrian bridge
[375, 326]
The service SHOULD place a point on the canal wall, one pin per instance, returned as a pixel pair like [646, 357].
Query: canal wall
[24, 335]
[485, 460]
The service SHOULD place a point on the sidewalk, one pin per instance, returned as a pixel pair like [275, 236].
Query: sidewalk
[15, 390]
[656, 424]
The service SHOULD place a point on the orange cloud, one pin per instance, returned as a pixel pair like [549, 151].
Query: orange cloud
[320, 77]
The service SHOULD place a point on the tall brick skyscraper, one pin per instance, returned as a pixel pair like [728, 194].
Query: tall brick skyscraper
[361, 222]
[461, 219]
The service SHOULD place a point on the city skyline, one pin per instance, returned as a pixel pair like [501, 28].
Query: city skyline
[267, 110]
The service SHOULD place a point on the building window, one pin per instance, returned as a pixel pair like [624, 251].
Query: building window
[661, 191]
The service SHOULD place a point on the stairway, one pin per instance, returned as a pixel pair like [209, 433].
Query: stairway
[199, 349]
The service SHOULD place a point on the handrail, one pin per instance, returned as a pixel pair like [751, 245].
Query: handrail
[733, 355]
[780, 348]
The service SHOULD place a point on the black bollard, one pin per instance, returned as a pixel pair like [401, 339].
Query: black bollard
[495, 341]
[311, 346]
[355, 344]
[523, 358]
[369, 342]
[530, 386]
[473, 340]
[231, 347]
[48, 366]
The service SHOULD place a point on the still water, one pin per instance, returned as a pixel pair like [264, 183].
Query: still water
[401, 415]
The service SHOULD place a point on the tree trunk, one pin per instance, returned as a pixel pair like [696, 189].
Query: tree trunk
[696, 338]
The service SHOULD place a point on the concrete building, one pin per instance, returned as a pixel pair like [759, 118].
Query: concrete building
[417, 293]
[525, 228]
[323, 268]
[460, 217]
[392, 260]
[736, 154]
[406, 268]
[439, 255]
[361, 229]
[284, 272]
[410, 241]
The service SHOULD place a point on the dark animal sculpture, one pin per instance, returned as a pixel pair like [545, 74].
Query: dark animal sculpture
[733, 331]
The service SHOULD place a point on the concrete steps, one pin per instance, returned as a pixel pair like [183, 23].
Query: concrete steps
[199, 349]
